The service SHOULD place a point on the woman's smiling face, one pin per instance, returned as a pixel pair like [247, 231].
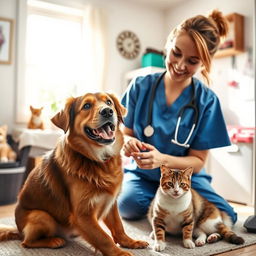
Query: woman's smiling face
[182, 60]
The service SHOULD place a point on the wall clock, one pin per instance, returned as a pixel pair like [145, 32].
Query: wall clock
[128, 44]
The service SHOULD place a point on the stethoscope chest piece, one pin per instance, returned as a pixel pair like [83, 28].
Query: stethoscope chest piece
[148, 130]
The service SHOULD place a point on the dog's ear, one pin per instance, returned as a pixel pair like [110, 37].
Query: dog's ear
[121, 110]
[63, 118]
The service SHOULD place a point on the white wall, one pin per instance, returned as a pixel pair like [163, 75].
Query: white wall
[237, 103]
[146, 22]
[7, 72]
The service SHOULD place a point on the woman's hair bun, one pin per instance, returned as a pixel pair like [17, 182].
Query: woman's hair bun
[220, 21]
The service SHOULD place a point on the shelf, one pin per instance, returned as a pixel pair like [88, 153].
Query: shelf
[140, 72]
[235, 36]
[143, 72]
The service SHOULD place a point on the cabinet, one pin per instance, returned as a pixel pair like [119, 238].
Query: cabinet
[232, 172]
[140, 72]
[234, 42]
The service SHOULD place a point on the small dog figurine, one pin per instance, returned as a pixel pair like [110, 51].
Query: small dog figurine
[36, 121]
[6, 153]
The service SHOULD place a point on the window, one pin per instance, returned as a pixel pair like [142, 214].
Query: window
[53, 60]
[54, 63]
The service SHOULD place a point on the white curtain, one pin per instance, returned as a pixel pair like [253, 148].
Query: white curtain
[94, 55]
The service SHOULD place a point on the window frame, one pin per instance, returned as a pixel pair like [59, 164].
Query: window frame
[24, 10]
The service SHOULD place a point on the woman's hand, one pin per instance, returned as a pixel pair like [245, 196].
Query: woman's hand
[148, 160]
[133, 145]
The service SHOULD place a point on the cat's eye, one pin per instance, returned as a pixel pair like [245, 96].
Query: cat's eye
[182, 184]
[87, 105]
[170, 184]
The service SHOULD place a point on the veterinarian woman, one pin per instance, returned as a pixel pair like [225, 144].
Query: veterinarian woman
[155, 136]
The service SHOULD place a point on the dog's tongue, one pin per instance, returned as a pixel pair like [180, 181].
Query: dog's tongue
[105, 132]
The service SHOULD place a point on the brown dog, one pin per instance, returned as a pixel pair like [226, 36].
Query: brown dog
[78, 182]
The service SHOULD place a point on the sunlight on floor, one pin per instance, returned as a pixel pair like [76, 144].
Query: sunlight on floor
[243, 211]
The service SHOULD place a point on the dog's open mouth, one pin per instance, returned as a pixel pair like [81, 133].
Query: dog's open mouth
[104, 134]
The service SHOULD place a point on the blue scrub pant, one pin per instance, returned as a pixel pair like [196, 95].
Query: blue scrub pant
[138, 192]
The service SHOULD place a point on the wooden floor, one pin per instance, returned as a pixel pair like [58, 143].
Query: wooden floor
[243, 211]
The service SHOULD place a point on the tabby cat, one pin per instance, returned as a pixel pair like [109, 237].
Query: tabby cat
[177, 208]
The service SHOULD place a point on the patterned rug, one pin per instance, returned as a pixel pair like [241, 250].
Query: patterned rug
[136, 229]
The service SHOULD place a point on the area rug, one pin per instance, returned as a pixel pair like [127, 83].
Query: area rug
[136, 229]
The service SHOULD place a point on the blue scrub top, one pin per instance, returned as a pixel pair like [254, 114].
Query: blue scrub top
[210, 131]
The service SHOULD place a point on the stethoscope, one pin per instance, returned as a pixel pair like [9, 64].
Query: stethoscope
[149, 130]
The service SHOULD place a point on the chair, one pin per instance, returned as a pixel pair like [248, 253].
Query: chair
[12, 173]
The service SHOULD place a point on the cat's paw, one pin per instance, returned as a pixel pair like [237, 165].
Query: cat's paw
[200, 242]
[188, 244]
[4, 159]
[213, 238]
[159, 246]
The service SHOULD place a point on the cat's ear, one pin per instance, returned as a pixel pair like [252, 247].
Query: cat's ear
[189, 171]
[164, 169]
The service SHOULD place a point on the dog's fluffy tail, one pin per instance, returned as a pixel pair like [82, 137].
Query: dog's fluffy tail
[9, 233]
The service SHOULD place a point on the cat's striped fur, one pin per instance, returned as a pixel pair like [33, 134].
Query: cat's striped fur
[177, 208]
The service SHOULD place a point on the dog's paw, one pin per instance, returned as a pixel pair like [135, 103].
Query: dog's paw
[132, 244]
[188, 244]
[56, 242]
[53, 243]
[124, 253]
[138, 244]
[159, 246]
